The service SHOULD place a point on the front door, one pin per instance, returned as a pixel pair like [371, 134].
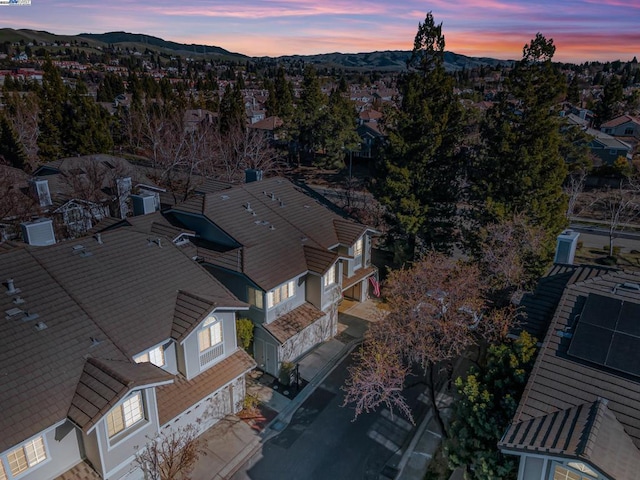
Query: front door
[271, 360]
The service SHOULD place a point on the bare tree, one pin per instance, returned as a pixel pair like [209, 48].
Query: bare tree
[22, 112]
[171, 455]
[573, 188]
[436, 312]
[15, 204]
[510, 251]
[618, 207]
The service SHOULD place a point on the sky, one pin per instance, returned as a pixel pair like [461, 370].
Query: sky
[582, 30]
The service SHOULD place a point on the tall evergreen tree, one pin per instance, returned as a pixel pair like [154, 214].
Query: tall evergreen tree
[87, 125]
[309, 111]
[53, 95]
[418, 180]
[232, 114]
[521, 169]
[10, 147]
[337, 131]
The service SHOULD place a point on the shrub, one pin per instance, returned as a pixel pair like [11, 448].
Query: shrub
[244, 329]
[286, 369]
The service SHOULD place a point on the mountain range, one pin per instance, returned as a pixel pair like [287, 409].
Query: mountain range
[390, 60]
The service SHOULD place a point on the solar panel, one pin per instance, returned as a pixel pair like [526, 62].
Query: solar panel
[608, 334]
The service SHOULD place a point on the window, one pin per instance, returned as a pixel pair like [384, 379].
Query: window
[3, 475]
[155, 356]
[255, 298]
[628, 131]
[127, 414]
[28, 455]
[566, 473]
[211, 334]
[280, 294]
[330, 276]
[357, 248]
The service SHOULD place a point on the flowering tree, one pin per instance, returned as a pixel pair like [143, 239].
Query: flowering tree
[437, 311]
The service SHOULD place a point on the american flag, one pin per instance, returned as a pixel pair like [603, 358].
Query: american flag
[376, 286]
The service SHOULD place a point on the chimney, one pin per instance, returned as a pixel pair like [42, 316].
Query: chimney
[252, 175]
[566, 247]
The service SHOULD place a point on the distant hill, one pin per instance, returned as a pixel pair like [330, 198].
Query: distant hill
[149, 41]
[390, 60]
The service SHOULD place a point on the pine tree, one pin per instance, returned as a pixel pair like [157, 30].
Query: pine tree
[53, 96]
[418, 180]
[521, 169]
[310, 110]
[232, 113]
[10, 147]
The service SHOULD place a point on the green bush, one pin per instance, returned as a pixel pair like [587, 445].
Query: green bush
[244, 330]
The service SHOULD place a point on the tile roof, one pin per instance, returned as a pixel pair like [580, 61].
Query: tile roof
[81, 471]
[319, 261]
[538, 307]
[121, 293]
[104, 383]
[560, 381]
[292, 323]
[588, 431]
[358, 275]
[175, 398]
[211, 185]
[622, 119]
[272, 220]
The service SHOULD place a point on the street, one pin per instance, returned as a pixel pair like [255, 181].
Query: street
[323, 441]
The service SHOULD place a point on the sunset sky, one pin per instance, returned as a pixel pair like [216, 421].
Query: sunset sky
[582, 29]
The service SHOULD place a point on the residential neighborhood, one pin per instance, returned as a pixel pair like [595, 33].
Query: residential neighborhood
[215, 266]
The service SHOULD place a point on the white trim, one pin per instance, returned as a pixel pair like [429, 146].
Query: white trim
[30, 469]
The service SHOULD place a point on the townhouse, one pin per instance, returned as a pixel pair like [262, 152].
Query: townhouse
[105, 342]
[291, 258]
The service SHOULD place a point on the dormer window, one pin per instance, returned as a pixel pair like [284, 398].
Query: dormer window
[330, 276]
[155, 356]
[210, 340]
[125, 415]
[357, 248]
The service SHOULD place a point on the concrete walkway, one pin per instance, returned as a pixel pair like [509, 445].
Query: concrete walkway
[232, 441]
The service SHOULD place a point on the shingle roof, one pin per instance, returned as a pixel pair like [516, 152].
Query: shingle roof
[104, 383]
[293, 322]
[273, 220]
[121, 293]
[175, 398]
[560, 381]
[588, 431]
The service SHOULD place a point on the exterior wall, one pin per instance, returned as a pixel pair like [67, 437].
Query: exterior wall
[286, 306]
[321, 330]
[606, 155]
[265, 351]
[191, 351]
[117, 457]
[170, 358]
[314, 287]
[92, 451]
[207, 412]
[622, 130]
[61, 454]
[238, 285]
[205, 229]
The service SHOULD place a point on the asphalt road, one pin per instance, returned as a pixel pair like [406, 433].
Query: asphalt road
[324, 442]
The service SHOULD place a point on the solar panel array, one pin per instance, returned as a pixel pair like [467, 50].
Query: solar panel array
[608, 334]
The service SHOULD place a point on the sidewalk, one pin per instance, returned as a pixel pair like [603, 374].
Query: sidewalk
[232, 441]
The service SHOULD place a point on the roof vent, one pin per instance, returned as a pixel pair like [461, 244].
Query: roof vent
[95, 341]
[18, 301]
[224, 197]
[281, 203]
[271, 227]
[307, 206]
[273, 196]
[77, 249]
[30, 316]
[627, 286]
[99, 238]
[248, 207]
[40, 326]
[563, 334]
[11, 287]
